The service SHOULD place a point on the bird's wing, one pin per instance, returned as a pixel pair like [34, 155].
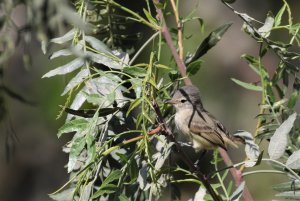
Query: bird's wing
[208, 133]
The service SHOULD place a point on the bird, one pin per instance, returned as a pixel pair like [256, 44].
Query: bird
[203, 130]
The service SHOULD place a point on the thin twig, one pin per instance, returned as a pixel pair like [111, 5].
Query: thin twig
[165, 31]
[179, 29]
[143, 47]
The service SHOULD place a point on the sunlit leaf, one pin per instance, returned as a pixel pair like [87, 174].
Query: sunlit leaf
[251, 148]
[76, 80]
[65, 38]
[265, 30]
[65, 69]
[65, 195]
[238, 192]
[73, 125]
[294, 160]
[279, 140]
[98, 45]
[287, 186]
[295, 195]
[76, 148]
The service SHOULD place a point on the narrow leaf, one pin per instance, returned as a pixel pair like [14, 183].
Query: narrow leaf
[123, 198]
[71, 126]
[65, 69]
[279, 16]
[106, 187]
[279, 140]
[295, 195]
[76, 148]
[210, 41]
[75, 81]
[59, 53]
[65, 195]
[247, 85]
[97, 44]
[106, 60]
[287, 186]
[194, 67]
[65, 38]
[135, 71]
[238, 192]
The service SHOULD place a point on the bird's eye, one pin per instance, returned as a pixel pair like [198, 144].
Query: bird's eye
[183, 100]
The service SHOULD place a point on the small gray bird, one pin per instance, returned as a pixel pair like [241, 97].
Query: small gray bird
[193, 121]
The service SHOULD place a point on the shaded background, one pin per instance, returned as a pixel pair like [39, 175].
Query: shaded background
[37, 167]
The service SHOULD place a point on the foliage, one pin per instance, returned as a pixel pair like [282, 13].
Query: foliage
[113, 103]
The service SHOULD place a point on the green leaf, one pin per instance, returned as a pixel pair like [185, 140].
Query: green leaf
[133, 170]
[73, 125]
[247, 85]
[108, 189]
[174, 75]
[123, 198]
[133, 105]
[210, 41]
[279, 16]
[194, 67]
[91, 148]
[95, 99]
[106, 186]
[135, 71]
[151, 19]
[65, 69]
[252, 61]
[76, 148]
[293, 99]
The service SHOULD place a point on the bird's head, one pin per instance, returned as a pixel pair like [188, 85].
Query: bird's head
[186, 97]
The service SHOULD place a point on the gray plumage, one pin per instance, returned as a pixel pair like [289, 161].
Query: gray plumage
[193, 121]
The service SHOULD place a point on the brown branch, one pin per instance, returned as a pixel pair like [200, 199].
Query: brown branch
[165, 31]
[236, 174]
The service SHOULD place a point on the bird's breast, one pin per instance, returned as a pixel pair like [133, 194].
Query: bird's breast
[181, 123]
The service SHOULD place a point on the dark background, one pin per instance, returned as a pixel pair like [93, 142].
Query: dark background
[37, 166]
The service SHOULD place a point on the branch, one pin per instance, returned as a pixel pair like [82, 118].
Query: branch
[165, 31]
[236, 174]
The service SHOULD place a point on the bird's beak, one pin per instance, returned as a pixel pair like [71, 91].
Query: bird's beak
[171, 101]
